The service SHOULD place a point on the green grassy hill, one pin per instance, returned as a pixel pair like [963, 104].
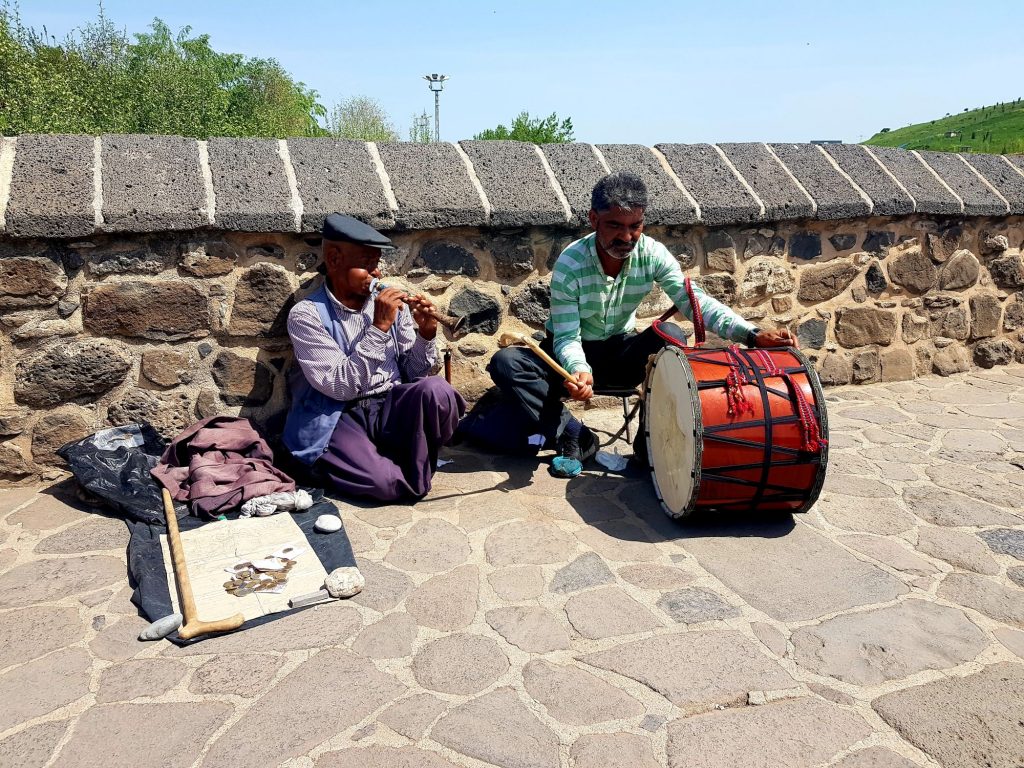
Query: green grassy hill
[998, 130]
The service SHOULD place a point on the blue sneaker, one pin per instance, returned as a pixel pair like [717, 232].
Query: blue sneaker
[572, 452]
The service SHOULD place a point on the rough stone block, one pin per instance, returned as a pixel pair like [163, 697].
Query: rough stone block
[31, 280]
[930, 195]
[250, 186]
[986, 314]
[764, 173]
[166, 310]
[859, 165]
[858, 326]
[577, 169]
[263, 297]
[826, 282]
[667, 204]
[242, 381]
[714, 185]
[515, 182]
[835, 196]
[338, 175]
[1001, 174]
[978, 199]
[897, 365]
[66, 372]
[52, 187]
[432, 186]
[152, 183]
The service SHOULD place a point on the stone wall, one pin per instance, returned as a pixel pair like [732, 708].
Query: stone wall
[149, 277]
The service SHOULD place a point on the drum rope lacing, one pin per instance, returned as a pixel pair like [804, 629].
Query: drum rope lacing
[812, 439]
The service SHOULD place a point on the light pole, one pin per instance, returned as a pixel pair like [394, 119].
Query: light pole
[436, 83]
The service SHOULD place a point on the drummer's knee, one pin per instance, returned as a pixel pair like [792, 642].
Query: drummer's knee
[504, 366]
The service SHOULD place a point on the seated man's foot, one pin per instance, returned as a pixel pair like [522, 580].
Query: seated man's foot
[572, 452]
[640, 449]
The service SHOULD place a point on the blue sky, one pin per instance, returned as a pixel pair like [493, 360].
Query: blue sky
[631, 71]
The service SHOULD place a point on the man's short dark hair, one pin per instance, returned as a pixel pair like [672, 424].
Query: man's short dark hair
[622, 189]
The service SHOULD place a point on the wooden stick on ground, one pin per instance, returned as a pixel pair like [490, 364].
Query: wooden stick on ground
[508, 339]
[192, 626]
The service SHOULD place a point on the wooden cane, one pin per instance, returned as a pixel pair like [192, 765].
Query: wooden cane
[192, 626]
[508, 339]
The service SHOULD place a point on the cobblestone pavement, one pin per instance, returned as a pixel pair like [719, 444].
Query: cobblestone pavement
[517, 620]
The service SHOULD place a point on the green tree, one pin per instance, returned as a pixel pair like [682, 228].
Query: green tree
[98, 81]
[539, 130]
[363, 118]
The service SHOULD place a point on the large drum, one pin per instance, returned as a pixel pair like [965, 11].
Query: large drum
[735, 430]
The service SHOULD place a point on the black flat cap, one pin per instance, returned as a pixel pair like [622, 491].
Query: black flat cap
[338, 226]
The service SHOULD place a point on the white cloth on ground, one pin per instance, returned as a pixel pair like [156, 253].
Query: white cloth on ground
[262, 506]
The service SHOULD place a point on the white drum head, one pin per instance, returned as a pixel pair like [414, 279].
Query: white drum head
[672, 423]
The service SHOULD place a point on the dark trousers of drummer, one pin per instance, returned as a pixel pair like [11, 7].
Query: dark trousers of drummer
[618, 362]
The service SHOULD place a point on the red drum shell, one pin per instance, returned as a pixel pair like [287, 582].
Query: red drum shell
[703, 458]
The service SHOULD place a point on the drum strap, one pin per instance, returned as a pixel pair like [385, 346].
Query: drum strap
[699, 332]
[812, 439]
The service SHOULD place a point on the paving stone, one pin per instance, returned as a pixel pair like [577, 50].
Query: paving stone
[889, 643]
[607, 612]
[890, 552]
[612, 750]
[619, 541]
[1016, 575]
[241, 674]
[447, 601]
[763, 737]
[119, 640]
[152, 184]
[53, 579]
[667, 205]
[959, 549]
[32, 632]
[32, 747]
[385, 587]
[575, 697]
[44, 685]
[432, 186]
[795, 577]
[93, 535]
[338, 175]
[140, 678]
[383, 757]
[976, 440]
[978, 199]
[459, 663]
[962, 722]
[412, 716]
[998, 172]
[515, 182]
[836, 197]
[930, 195]
[881, 516]
[250, 185]
[532, 629]
[430, 546]
[1012, 639]
[831, 694]
[577, 170]
[389, 638]
[1005, 541]
[985, 596]
[945, 507]
[51, 189]
[714, 185]
[515, 584]
[348, 688]
[859, 165]
[874, 757]
[696, 671]
[652, 576]
[497, 728]
[320, 627]
[772, 638]
[528, 543]
[587, 570]
[696, 604]
[782, 198]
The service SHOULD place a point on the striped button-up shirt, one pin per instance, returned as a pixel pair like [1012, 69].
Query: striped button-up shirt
[371, 361]
[587, 304]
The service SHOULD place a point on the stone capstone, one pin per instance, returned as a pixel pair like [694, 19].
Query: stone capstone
[263, 297]
[805, 245]
[482, 312]
[859, 326]
[720, 249]
[993, 352]
[446, 258]
[826, 282]
[532, 303]
[75, 371]
[961, 271]
[164, 311]
[764, 278]
[242, 380]
[30, 281]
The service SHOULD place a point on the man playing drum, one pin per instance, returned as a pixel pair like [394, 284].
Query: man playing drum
[596, 286]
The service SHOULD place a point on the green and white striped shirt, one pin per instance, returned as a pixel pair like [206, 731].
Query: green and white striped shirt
[588, 304]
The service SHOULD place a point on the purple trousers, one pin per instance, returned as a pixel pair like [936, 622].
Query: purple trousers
[385, 448]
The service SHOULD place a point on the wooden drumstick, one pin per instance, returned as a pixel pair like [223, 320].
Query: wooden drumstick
[192, 626]
[508, 339]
